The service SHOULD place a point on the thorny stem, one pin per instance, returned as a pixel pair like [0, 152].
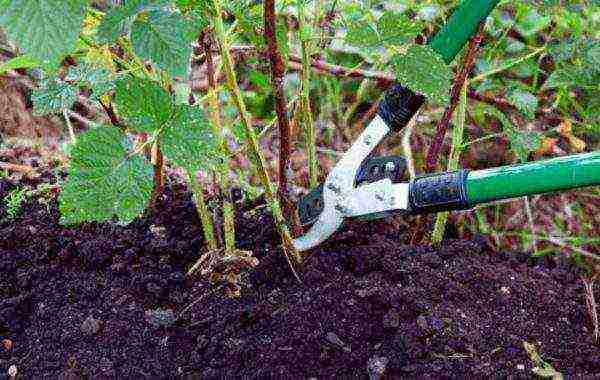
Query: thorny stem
[203, 212]
[277, 74]
[159, 178]
[466, 67]
[354, 106]
[435, 148]
[453, 162]
[309, 125]
[318, 12]
[590, 302]
[253, 148]
[223, 169]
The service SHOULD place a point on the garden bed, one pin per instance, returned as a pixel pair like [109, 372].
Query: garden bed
[100, 299]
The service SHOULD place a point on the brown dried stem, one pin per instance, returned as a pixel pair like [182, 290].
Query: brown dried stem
[277, 74]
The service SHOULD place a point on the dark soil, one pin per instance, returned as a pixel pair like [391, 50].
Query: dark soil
[99, 301]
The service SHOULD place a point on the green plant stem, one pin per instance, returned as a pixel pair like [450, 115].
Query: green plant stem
[223, 167]
[309, 125]
[483, 224]
[251, 140]
[453, 162]
[354, 106]
[203, 212]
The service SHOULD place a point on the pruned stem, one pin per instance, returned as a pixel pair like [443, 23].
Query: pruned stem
[251, 139]
[203, 212]
[309, 125]
[223, 169]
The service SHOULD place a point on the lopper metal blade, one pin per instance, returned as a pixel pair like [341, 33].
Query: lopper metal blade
[339, 189]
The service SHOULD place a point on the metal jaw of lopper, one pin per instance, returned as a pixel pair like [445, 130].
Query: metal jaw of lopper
[342, 199]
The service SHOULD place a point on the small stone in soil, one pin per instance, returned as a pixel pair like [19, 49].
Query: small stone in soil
[160, 317]
[335, 340]
[12, 371]
[376, 367]
[391, 320]
[91, 326]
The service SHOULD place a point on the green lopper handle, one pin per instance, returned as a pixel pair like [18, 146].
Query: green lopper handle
[464, 189]
[461, 27]
[400, 104]
[556, 174]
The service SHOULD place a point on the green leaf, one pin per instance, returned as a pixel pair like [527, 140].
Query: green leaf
[53, 95]
[523, 142]
[45, 29]
[559, 78]
[143, 104]
[572, 77]
[164, 38]
[532, 22]
[98, 79]
[362, 34]
[188, 141]
[259, 79]
[397, 28]
[424, 71]
[118, 19]
[592, 57]
[525, 101]
[104, 180]
[20, 62]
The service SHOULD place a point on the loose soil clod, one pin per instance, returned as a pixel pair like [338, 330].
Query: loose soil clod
[104, 300]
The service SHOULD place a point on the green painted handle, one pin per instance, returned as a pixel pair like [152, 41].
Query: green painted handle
[461, 27]
[561, 173]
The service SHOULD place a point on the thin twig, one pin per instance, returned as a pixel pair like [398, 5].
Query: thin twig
[69, 126]
[112, 116]
[508, 65]
[83, 120]
[345, 72]
[16, 168]
[466, 67]
[530, 222]
[407, 148]
[590, 302]
[557, 241]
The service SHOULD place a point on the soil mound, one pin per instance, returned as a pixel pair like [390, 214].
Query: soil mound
[104, 300]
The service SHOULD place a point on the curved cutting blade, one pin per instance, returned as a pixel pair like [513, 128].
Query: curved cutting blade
[339, 186]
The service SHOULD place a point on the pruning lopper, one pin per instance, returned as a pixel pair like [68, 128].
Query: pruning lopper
[364, 186]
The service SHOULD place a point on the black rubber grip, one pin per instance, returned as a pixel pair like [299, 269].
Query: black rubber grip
[398, 106]
[439, 192]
